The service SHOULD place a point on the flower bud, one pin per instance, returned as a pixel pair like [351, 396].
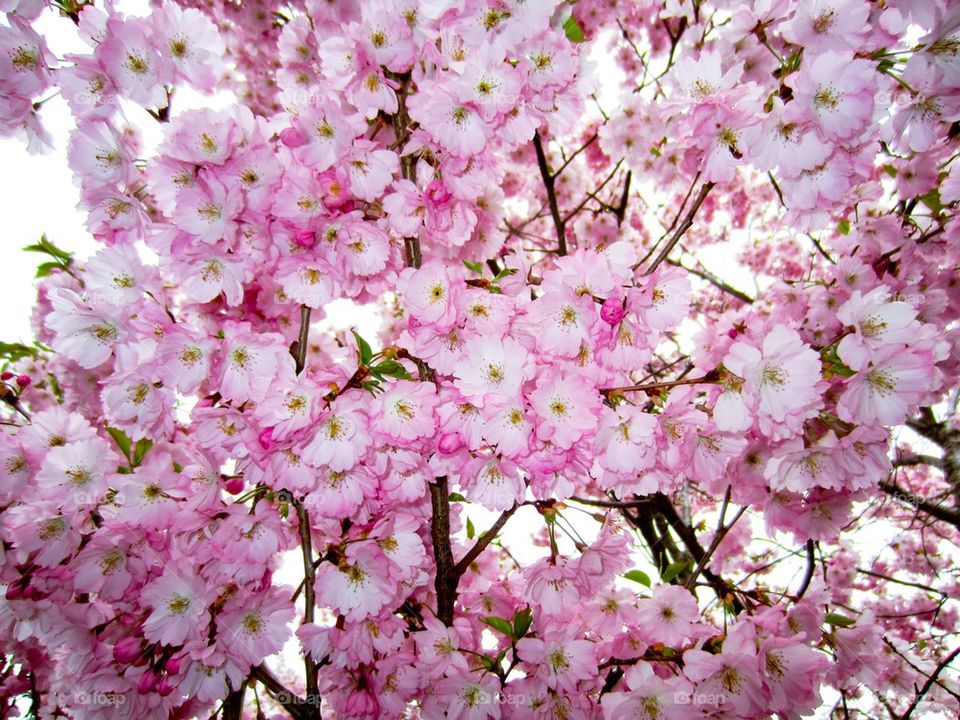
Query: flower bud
[147, 683]
[6, 375]
[305, 238]
[165, 687]
[234, 486]
[173, 664]
[292, 137]
[265, 438]
[612, 311]
[449, 443]
[23, 380]
[127, 650]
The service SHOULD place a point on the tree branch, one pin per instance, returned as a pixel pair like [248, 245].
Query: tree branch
[482, 542]
[309, 601]
[684, 226]
[548, 184]
[446, 580]
[934, 510]
[929, 683]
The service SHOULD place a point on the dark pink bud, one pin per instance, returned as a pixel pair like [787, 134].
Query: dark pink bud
[6, 375]
[437, 193]
[292, 137]
[449, 443]
[612, 311]
[23, 380]
[732, 333]
[173, 665]
[147, 683]
[266, 438]
[234, 486]
[165, 687]
[14, 592]
[127, 650]
[305, 238]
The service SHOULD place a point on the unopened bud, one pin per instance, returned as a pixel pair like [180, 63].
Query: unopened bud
[147, 683]
[612, 311]
[127, 650]
[234, 486]
[305, 238]
[292, 137]
[165, 687]
[449, 443]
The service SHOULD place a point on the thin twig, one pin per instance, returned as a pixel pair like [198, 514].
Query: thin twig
[684, 226]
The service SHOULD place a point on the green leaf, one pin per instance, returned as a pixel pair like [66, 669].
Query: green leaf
[500, 625]
[638, 576]
[48, 248]
[366, 352]
[371, 385]
[16, 351]
[140, 450]
[390, 368]
[674, 569]
[522, 622]
[839, 620]
[843, 227]
[890, 170]
[932, 200]
[476, 267]
[456, 497]
[471, 531]
[44, 269]
[490, 664]
[122, 441]
[573, 30]
[506, 272]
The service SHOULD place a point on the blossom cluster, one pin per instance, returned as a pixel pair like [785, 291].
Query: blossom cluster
[184, 429]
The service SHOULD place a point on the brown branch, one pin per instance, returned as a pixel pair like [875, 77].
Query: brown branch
[299, 348]
[593, 138]
[621, 210]
[684, 226]
[292, 703]
[689, 538]
[233, 704]
[707, 379]
[929, 683]
[933, 509]
[548, 183]
[482, 542]
[309, 601]
[718, 537]
[446, 579]
[808, 574]
[914, 460]
[642, 502]
[713, 280]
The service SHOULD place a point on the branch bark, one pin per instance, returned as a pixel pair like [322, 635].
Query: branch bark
[445, 582]
[929, 683]
[309, 600]
[683, 227]
[548, 184]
